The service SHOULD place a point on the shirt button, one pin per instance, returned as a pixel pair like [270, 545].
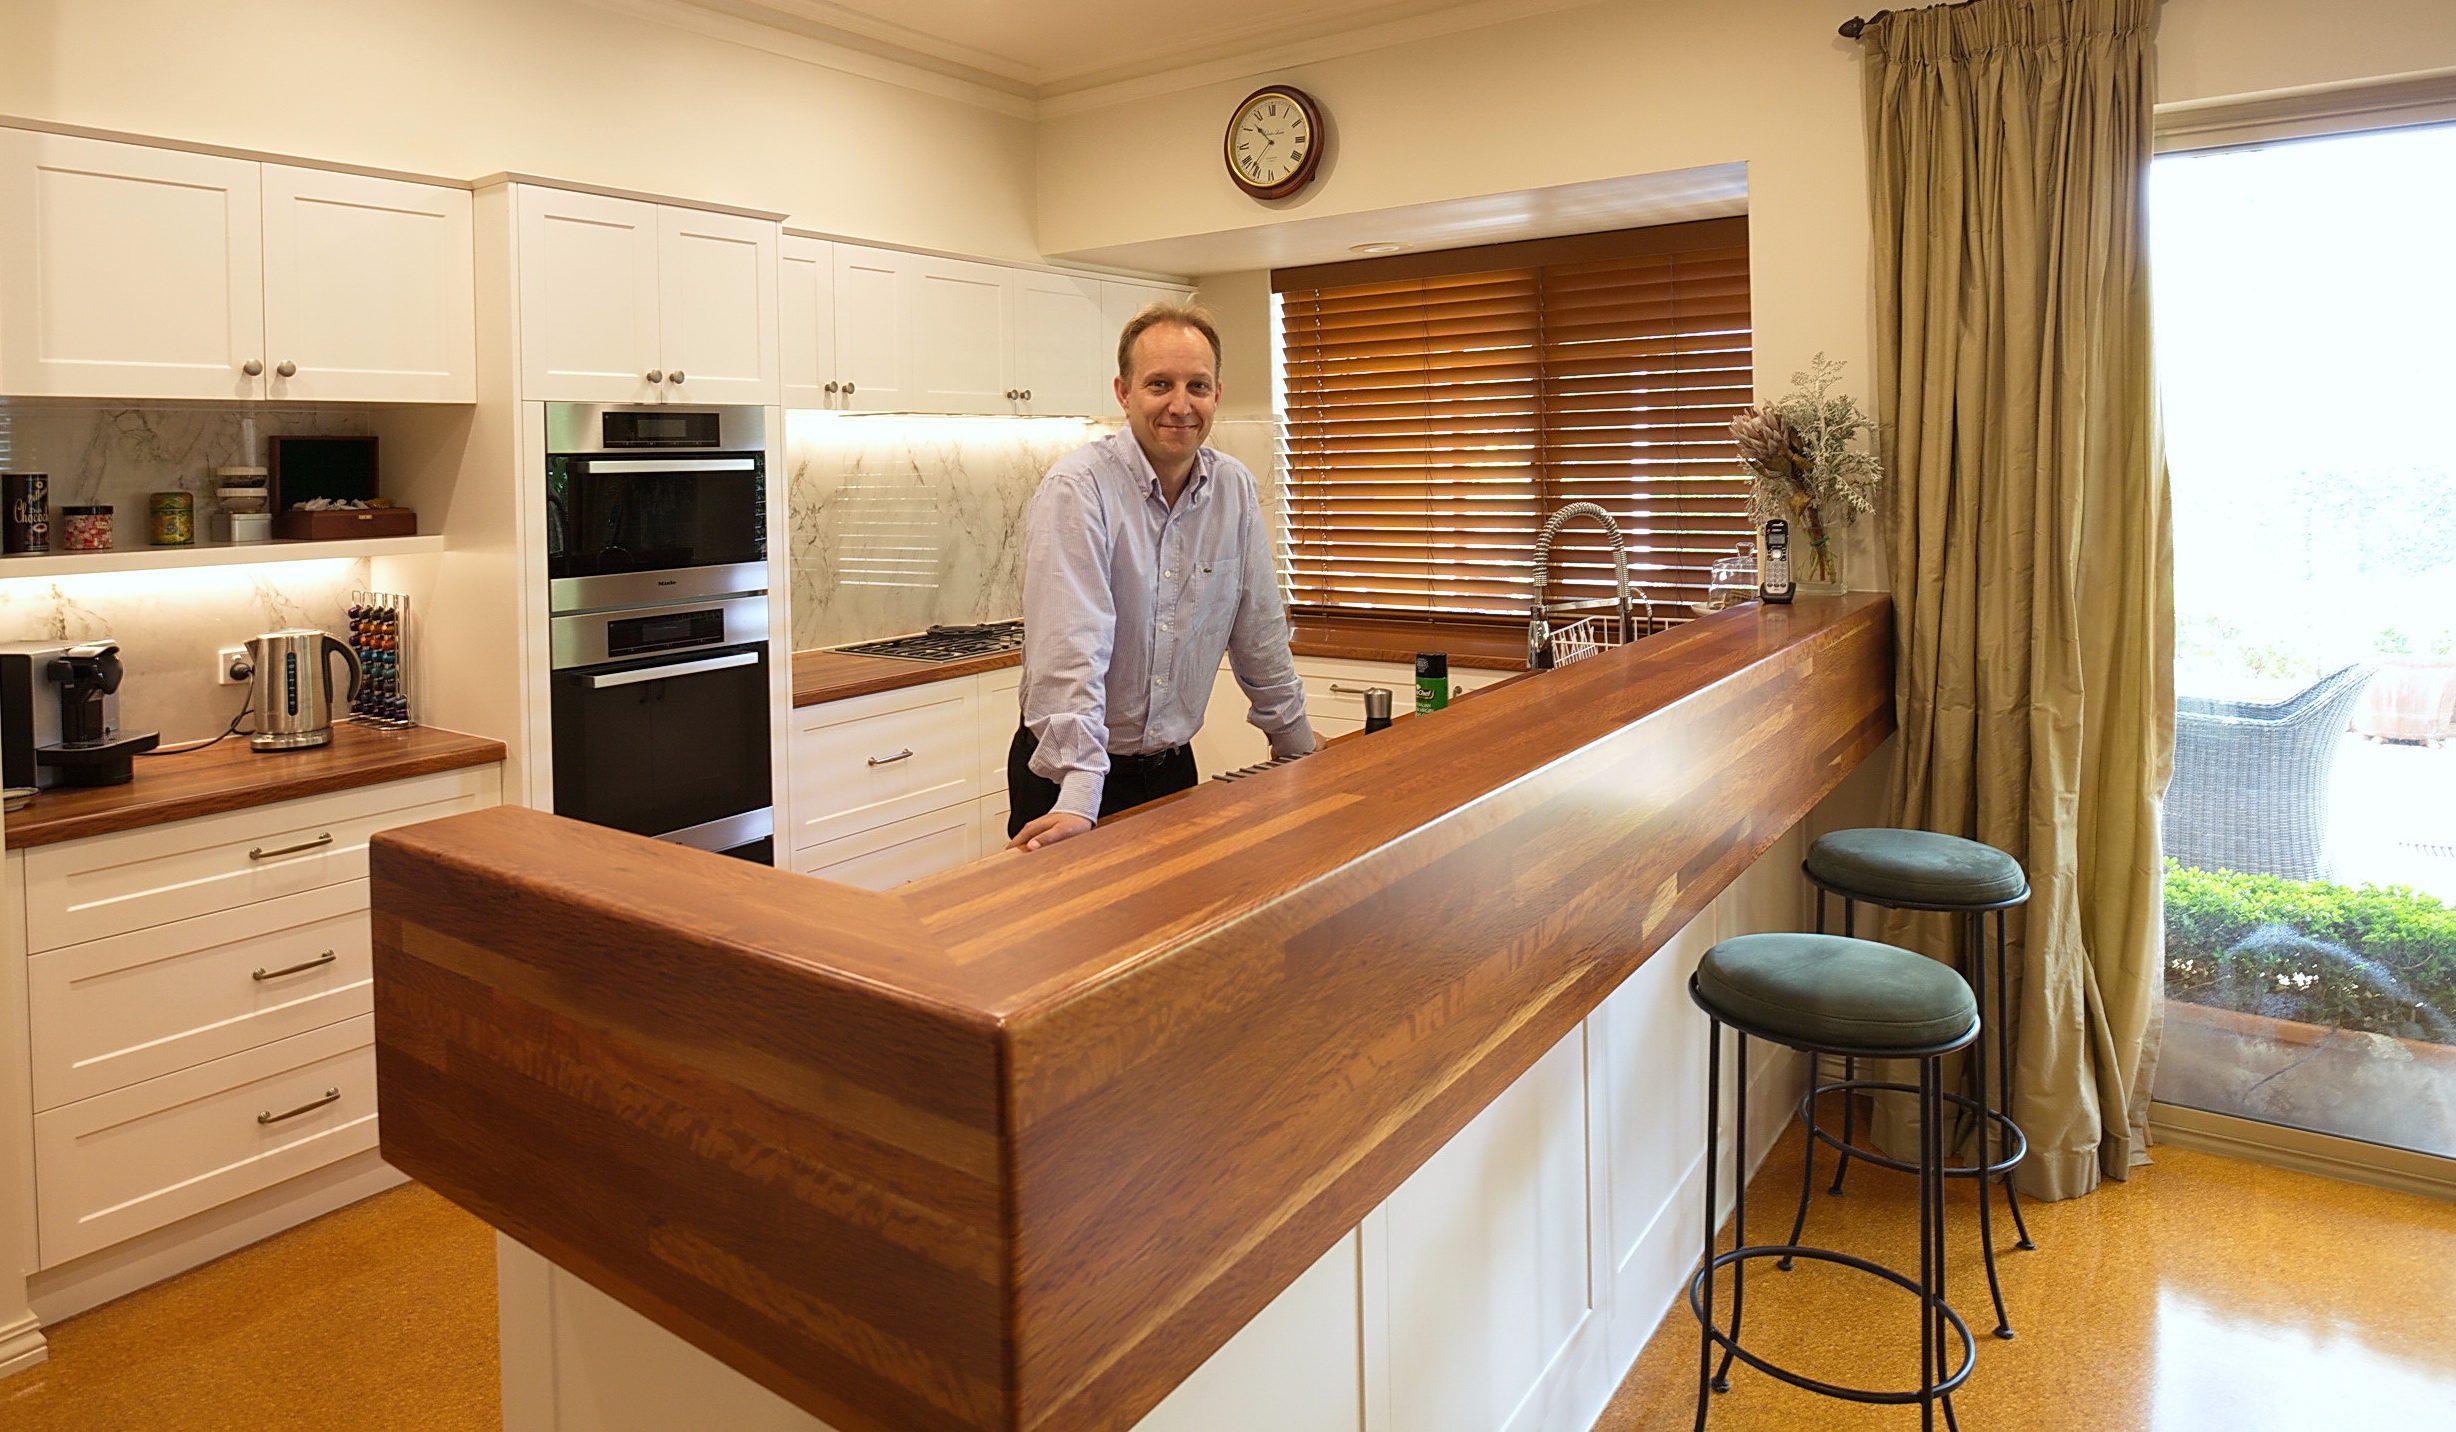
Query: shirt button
[1159, 681]
[1170, 572]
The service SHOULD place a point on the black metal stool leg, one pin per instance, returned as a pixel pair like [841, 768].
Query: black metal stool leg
[1739, 1201]
[1714, 1119]
[1974, 939]
[1937, 1315]
[1850, 1066]
[1930, 1116]
[1807, 1163]
[2004, 1076]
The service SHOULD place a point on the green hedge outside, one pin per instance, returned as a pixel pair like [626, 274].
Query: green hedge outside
[2380, 958]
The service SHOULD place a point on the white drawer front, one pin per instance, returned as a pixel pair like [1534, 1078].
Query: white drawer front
[110, 884]
[110, 1012]
[138, 1158]
[992, 817]
[904, 850]
[862, 763]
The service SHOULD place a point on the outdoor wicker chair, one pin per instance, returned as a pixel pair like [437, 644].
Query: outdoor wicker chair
[2250, 791]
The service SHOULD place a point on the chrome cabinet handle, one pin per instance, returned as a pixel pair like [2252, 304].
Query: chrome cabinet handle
[269, 1117]
[654, 375]
[674, 377]
[903, 755]
[253, 367]
[323, 959]
[1352, 690]
[260, 853]
[287, 369]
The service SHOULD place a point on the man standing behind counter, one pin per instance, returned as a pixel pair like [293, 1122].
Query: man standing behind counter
[1145, 559]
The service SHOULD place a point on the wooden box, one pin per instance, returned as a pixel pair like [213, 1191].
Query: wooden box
[341, 468]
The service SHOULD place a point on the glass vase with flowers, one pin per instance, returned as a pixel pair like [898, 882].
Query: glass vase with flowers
[1799, 448]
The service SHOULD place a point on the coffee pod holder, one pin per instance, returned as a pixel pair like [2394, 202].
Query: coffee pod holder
[380, 634]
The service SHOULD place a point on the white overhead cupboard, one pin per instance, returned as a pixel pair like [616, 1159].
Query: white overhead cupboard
[877, 330]
[132, 271]
[627, 301]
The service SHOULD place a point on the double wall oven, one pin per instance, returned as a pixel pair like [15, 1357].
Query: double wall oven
[657, 574]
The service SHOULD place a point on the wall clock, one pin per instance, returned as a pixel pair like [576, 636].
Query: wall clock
[1274, 142]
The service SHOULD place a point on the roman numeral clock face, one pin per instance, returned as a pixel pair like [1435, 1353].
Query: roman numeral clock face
[1274, 141]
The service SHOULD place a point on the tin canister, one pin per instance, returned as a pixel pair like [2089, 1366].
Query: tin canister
[28, 495]
[85, 529]
[173, 517]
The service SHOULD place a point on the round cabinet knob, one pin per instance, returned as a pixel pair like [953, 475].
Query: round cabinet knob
[831, 387]
[253, 367]
[1013, 393]
[655, 375]
[674, 377]
[1027, 395]
[848, 390]
[287, 369]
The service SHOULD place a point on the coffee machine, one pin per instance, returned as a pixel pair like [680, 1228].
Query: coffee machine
[59, 703]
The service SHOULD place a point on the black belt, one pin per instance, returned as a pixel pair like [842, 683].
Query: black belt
[1145, 764]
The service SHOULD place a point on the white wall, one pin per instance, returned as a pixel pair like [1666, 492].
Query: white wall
[465, 88]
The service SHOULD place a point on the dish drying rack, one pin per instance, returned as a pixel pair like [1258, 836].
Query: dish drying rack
[1578, 630]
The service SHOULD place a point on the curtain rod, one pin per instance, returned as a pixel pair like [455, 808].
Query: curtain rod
[1853, 27]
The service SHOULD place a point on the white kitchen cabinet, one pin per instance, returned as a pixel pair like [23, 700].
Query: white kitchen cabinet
[128, 271]
[873, 327]
[806, 321]
[1121, 299]
[368, 289]
[1064, 346]
[866, 761]
[961, 318]
[1334, 703]
[624, 301]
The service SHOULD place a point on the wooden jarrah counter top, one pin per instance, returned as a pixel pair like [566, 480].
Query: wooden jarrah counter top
[1020, 1145]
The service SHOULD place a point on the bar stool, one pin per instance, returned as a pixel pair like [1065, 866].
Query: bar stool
[1826, 994]
[1924, 870]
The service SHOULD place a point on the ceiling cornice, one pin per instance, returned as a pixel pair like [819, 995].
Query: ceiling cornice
[836, 37]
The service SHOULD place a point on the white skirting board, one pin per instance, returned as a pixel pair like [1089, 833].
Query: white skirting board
[22, 1345]
[88, 1282]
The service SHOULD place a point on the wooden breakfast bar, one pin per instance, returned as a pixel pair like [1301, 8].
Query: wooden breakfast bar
[1025, 1144]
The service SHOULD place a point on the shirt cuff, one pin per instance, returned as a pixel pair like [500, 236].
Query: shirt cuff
[1079, 794]
[1297, 740]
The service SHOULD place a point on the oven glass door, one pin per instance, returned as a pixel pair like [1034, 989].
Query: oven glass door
[660, 745]
[641, 512]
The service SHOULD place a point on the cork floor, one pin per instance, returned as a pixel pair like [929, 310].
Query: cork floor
[2204, 1294]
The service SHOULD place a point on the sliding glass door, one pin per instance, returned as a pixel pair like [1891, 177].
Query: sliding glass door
[2306, 330]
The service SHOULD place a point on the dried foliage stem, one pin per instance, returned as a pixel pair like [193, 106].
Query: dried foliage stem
[1807, 473]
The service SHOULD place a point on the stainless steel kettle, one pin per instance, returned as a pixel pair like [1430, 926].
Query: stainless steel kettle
[294, 687]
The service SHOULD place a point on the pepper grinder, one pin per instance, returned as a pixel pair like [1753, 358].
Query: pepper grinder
[1376, 707]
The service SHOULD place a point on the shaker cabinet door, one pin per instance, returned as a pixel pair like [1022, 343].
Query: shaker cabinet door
[717, 279]
[874, 341]
[368, 293]
[806, 322]
[588, 298]
[128, 271]
[961, 317]
[1064, 346]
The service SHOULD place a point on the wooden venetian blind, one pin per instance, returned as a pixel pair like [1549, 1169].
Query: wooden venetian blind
[1439, 406]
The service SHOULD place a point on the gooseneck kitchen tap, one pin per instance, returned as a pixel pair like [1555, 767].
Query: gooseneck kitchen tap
[1538, 630]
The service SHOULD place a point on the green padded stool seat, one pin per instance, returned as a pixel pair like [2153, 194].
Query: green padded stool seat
[1830, 995]
[1834, 992]
[1916, 868]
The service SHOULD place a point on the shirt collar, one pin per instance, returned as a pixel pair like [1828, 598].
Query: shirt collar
[1147, 478]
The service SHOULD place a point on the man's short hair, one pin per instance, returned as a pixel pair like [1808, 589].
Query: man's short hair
[1158, 315]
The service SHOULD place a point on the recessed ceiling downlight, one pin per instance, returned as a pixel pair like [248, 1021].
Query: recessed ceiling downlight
[1377, 248]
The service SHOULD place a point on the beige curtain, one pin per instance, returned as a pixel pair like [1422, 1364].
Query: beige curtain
[2008, 147]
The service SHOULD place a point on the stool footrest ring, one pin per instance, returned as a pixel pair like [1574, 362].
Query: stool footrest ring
[2014, 1143]
[1696, 1301]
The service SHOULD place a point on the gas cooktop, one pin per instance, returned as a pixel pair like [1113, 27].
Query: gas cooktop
[946, 643]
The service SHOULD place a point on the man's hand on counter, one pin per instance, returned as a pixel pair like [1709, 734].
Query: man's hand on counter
[1057, 825]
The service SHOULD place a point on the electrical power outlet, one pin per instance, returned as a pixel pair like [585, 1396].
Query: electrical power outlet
[230, 666]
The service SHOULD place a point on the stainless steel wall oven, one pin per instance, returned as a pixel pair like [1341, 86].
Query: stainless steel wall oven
[657, 567]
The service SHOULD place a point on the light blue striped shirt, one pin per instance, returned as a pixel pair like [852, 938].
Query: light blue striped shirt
[1129, 604]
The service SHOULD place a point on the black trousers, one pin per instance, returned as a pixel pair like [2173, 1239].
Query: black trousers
[1132, 781]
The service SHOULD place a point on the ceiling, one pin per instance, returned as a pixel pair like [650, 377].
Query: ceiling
[1044, 48]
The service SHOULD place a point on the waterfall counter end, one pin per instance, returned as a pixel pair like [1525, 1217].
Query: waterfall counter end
[1025, 1145]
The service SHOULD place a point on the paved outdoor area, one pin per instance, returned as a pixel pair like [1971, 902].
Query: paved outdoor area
[2394, 821]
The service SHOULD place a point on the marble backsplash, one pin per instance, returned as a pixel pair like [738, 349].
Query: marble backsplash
[169, 623]
[900, 523]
